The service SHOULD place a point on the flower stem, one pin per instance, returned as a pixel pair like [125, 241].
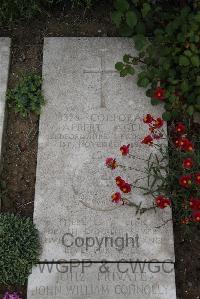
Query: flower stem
[139, 209]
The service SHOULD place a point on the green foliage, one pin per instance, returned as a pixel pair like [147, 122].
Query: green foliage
[166, 168]
[27, 96]
[87, 4]
[163, 178]
[11, 10]
[167, 40]
[19, 249]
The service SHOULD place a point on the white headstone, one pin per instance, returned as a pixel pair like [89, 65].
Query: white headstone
[90, 113]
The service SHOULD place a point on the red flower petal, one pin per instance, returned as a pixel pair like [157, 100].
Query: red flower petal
[148, 140]
[116, 197]
[111, 163]
[162, 202]
[148, 119]
[196, 216]
[185, 181]
[188, 163]
[180, 128]
[125, 188]
[197, 178]
[159, 94]
[158, 123]
[124, 149]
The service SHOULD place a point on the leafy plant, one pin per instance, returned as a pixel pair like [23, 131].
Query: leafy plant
[22, 9]
[27, 96]
[19, 249]
[167, 40]
[83, 3]
[11, 10]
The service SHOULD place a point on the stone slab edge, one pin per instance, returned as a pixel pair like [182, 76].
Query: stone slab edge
[5, 44]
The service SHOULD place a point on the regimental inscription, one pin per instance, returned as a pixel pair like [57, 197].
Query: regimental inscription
[102, 72]
[107, 281]
[90, 130]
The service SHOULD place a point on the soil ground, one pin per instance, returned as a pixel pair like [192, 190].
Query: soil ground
[20, 145]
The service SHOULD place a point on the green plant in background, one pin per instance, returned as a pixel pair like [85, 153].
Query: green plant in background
[19, 249]
[11, 10]
[27, 96]
[167, 40]
[82, 3]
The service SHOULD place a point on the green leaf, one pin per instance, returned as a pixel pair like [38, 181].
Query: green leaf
[197, 83]
[188, 53]
[121, 5]
[190, 110]
[131, 19]
[184, 61]
[172, 98]
[197, 17]
[117, 17]
[130, 70]
[155, 102]
[146, 9]
[140, 42]
[125, 30]
[119, 66]
[195, 60]
[166, 116]
[143, 82]
[124, 72]
[140, 28]
[126, 58]
[184, 86]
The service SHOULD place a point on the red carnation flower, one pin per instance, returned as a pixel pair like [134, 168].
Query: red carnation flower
[188, 163]
[158, 123]
[111, 163]
[148, 140]
[159, 94]
[116, 197]
[196, 216]
[124, 149]
[119, 181]
[148, 119]
[177, 142]
[195, 203]
[197, 178]
[184, 144]
[185, 181]
[162, 202]
[180, 128]
[126, 187]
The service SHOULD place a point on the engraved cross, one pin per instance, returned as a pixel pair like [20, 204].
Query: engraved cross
[101, 71]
